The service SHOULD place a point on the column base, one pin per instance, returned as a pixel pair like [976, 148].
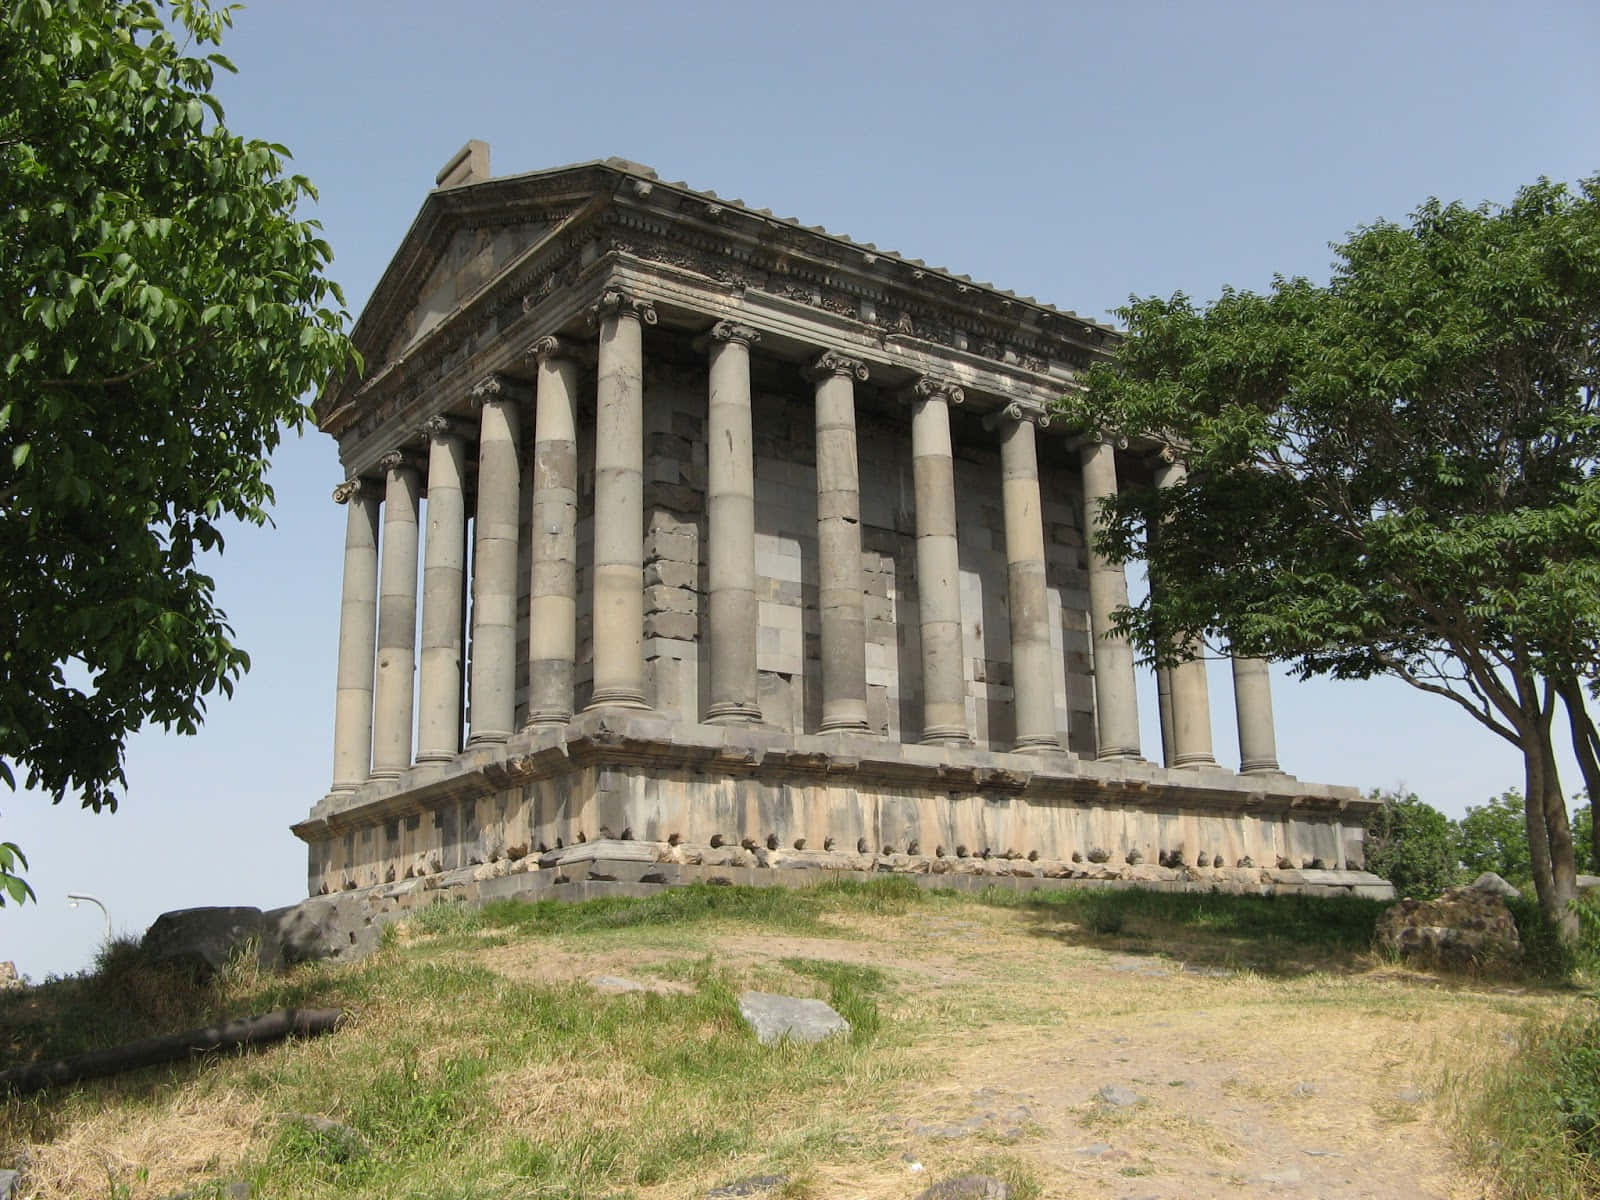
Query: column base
[1039, 743]
[488, 737]
[1194, 760]
[617, 698]
[437, 756]
[545, 718]
[844, 725]
[1122, 753]
[1267, 766]
[343, 787]
[946, 735]
[385, 774]
[733, 712]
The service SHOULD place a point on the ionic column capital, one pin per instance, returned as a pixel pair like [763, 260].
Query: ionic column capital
[553, 347]
[831, 362]
[1016, 411]
[443, 425]
[929, 388]
[734, 331]
[614, 302]
[495, 388]
[356, 489]
[399, 458]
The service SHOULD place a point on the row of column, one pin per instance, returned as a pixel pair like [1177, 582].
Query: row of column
[374, 719]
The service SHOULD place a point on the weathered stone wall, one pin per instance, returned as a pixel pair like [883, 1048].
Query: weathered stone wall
[788, 652]
[638, 778]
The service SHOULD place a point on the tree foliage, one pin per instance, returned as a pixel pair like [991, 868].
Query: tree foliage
[1494, 837]
[162, 309]
[1411, 844]
[1390, 474]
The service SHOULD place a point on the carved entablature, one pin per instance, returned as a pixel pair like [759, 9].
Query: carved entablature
[488, 263]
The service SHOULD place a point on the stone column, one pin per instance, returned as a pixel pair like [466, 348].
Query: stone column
[1032, 679]
[1191, 703]
[494, 563]
[844, 627]
[731, 512]
[352, 714]
[944, 683]
[397, 619]
[444, 565]
[619, 502]
[1116, 700]
[553, 604]
[1252, 704]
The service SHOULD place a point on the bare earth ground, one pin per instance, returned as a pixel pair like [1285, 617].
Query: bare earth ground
[1296, 1083]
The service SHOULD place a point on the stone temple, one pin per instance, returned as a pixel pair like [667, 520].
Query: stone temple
[688, 542]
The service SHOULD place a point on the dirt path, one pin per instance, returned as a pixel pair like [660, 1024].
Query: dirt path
[1117, 1070]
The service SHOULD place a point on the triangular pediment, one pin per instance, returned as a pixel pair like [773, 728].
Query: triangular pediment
[468, 259]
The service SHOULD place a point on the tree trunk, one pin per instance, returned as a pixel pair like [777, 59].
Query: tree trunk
[1549, 833]
[272, 1026]
[1558, 831]
[1586, 746]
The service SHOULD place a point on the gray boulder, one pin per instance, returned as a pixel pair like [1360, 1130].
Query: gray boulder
[774, 1017]
[338, 927]
[1492, 883]
[202, 940]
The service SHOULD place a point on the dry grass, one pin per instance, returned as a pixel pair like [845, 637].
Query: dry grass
[480, 1064]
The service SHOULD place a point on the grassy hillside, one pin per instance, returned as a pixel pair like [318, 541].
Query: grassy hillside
[1261, 1041]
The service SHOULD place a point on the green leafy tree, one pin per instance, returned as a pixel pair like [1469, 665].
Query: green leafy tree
[162, 309]
[1411, 844]
[1391, 474]
[1494, 837]
[1583, 837]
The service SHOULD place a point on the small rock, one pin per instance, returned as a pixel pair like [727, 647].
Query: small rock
[968, 1187]
[614, 985]
[1117, 1096]
[1288, 1177]
[749, 1187]
[774, 1017]
[1324, 1154]
[9, 1182]
[1410, 1095]
[1303, 1089]
[1097, 1150]
[336, 1143]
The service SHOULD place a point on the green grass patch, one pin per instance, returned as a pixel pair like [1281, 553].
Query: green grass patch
[1533, 1123]
[1256, 929]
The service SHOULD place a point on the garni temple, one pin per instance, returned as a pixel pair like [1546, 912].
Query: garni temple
[685, 542]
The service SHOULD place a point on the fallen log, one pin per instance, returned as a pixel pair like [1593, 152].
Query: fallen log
[148, 1052]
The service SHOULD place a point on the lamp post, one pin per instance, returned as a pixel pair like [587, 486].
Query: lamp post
[72, 902]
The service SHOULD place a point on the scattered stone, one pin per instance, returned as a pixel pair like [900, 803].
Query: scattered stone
[1410, 1095]
[752, 1186]
[9, 1182]
[1208, 972]
[336, 1143]
[201, 940]
[615, 985]
[1099, 855]
[774, 1017]
[1324, 1153]
[1303, 1089]
[968, 1187]
[1585, 882]
[1114, 1095]
[1097, 1150]
[1490, 882]
[1288, 1177]
[1464, 925]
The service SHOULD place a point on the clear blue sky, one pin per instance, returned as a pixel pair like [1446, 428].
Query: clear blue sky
[1072, 152]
